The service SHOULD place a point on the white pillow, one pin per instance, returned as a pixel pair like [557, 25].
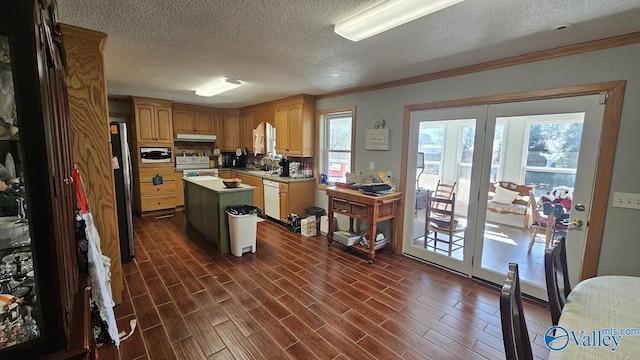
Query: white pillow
[504, 196]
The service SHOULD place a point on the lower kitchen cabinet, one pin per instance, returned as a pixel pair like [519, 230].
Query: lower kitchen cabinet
[258, 192]
[296, 197]
[156, 196]
[226, 174]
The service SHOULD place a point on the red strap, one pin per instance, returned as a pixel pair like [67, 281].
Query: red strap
[80, 195]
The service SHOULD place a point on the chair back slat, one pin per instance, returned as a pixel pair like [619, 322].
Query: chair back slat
[557, 278]
[517, 345]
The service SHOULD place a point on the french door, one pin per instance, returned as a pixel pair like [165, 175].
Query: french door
[518, 142]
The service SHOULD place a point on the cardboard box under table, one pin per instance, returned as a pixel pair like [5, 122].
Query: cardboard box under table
[308, 226]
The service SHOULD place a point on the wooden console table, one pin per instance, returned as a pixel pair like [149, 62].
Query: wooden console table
[369, 208]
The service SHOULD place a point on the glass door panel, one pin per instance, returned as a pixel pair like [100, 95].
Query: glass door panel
[443, 152]
[550, 146]
[19, 304]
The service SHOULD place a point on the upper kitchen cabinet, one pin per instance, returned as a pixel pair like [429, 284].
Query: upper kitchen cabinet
[193, 122]
[154, 123]
[231, 139]
[246, 130]
[203, 123]
[294, 120]
[183, 121]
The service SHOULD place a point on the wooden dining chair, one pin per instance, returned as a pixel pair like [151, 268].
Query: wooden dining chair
[517, 345]
[557, 278]
[440, 219]
[444, 191]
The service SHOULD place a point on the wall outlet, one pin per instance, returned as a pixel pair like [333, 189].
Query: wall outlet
[389, 174]
[626, 200]
[372, 166]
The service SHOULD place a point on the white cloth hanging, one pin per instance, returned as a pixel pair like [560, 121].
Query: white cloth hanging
[99, 273]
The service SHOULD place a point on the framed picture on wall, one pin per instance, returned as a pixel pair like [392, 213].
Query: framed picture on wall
[376, 139]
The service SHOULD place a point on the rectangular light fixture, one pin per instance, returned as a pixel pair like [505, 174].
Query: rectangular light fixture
[218, 86]
[387, 15]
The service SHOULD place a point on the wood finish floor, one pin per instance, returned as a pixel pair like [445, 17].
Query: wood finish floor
[296, 298]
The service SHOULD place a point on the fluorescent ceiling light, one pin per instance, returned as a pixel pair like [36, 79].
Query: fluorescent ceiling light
[388, 15]
[218, 86]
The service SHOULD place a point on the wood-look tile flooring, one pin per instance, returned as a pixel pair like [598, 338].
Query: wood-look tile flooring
[296, 298]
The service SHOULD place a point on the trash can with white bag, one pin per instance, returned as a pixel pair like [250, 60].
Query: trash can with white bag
[243, 221]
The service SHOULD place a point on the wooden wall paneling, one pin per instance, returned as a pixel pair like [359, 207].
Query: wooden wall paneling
[89, 117]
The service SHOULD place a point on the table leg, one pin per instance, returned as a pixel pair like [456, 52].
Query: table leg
[330, 220]
[392, 234]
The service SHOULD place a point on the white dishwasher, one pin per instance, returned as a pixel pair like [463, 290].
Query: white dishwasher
[271, 198]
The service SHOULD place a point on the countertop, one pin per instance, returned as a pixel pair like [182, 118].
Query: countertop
[217, 185]
[265, 175]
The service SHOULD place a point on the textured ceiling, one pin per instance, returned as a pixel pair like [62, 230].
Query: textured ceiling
[167, 49]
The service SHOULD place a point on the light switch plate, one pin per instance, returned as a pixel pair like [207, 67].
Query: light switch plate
[626, 200]
[372, 166]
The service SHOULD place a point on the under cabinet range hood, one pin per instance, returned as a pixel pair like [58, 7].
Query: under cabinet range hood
[195, 137]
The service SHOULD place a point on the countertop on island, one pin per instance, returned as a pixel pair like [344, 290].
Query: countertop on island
[217, 185]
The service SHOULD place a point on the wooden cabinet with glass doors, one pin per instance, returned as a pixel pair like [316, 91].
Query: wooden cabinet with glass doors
[44, 307]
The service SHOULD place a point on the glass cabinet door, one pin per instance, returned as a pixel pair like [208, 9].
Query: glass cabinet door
[19, 302]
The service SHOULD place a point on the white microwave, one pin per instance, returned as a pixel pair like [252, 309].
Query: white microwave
[155, 155]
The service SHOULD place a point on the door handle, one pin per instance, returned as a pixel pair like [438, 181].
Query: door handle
[577, 222]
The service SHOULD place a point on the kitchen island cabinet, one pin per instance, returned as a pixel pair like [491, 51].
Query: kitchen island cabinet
[205, 204]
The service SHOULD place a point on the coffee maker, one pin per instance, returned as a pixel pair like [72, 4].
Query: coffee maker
[284, 167]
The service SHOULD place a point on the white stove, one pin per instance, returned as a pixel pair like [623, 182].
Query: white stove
[192, 162]
[195, 166]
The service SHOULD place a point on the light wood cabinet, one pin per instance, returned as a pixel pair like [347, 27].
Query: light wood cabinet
[258, 192]
[294, 119]
[284, 201]
[296, 197]
[218, 129]
[203, 123]
[152, 197]
[246, 130]
[231, 132]
[193, 122]
[226, 174]
[153, 121]
[183, 121]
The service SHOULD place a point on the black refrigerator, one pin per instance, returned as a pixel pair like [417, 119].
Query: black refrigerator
[122, 173]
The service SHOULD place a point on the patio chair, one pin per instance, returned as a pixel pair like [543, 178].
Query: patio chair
[554, 213]
[440, 219]
[557, 278]
[517, 345]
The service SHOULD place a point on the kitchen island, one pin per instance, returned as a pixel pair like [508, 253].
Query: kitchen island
[205, 203]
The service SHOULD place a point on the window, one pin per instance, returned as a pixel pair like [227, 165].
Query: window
[552, 152]
[431, 144]
[337, 135]
[465, 161]
[496, 158]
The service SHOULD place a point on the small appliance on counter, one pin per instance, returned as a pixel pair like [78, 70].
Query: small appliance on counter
[284, 167]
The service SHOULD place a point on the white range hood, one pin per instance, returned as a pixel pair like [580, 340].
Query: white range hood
[195, 137]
